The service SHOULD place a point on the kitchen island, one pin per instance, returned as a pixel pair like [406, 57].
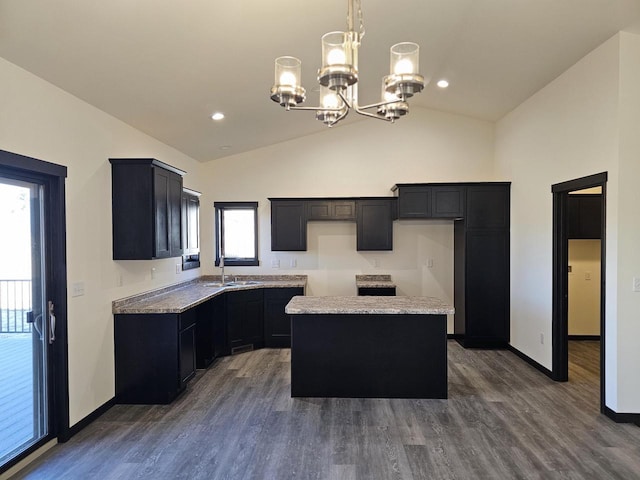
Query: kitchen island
[368, 347]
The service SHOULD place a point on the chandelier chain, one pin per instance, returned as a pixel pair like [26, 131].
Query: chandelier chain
[357, 11]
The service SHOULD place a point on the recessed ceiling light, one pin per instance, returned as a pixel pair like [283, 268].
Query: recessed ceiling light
[442, 83]
[217, 116]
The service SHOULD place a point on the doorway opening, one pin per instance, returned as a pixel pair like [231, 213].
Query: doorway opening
[579, 228]
[33, 342]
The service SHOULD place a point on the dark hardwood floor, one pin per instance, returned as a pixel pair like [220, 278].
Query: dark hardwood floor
[503, 420]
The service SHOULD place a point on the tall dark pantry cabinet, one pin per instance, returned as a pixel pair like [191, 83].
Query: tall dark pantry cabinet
[481, 267]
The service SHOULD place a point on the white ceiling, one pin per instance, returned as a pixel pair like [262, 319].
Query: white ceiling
[163, 66]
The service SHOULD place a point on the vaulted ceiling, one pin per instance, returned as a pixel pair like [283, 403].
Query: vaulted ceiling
[164, 66]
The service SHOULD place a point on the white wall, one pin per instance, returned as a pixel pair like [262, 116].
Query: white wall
[41, 121]
[364, 158]
[628, 265]
[584, 122]
[584, 287]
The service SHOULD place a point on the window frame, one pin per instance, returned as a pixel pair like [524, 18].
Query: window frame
[220, 207]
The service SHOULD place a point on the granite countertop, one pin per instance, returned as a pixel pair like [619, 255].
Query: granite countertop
[374, 281]
[300, 305]
[183, 296]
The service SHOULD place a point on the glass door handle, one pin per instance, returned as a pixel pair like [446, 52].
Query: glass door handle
[52, 323]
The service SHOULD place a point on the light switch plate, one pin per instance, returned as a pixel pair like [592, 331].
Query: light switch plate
[77, 289]
[636, 284]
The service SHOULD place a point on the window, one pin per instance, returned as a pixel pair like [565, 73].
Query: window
[237, 233]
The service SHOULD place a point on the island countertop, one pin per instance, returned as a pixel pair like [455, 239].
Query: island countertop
[301, 305]
[181, 297]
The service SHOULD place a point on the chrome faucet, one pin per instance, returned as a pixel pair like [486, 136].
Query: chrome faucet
[222, 268]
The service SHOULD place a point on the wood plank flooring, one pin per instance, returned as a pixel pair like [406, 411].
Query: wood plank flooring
[503, 420]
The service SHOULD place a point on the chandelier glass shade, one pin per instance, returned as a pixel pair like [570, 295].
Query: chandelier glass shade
[338, 77]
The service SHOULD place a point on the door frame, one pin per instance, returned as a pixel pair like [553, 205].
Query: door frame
[560, 316]
[52, 177]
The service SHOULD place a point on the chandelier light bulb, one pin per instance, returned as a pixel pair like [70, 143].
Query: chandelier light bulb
[287, 78]
[403, 66]
[336, 57]
[330, 100]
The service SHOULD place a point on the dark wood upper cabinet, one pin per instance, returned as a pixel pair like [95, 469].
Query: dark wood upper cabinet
[447, 201]
[414, 201]
[146, 209]
[585, 214]
[288, 225]
[487, 206]
[375, 224]
[331, 209]
[190, 229]
[430, 200]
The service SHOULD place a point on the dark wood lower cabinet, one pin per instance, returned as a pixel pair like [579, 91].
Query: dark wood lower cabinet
[211, 331]
[245, 325]
[277, 324]
[377, 291]
[154, 356]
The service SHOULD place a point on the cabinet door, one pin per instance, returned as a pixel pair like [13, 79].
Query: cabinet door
[187, 353]
[167, 199]
[343, 209]
[190, 224]
[375, 225]
[235, 311]
[175, 215]
[245, 318]
[277, 324]
[288, 226]
[162, 212]
[253, 319]
[414, 202]
[219, 318]
[487, 287]
[447, 202]
[318, 209]
[487, 206]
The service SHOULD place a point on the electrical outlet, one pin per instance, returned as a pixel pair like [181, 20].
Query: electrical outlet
[587, 275]
[430, 263]
[293, 263]
[636, 284]
[542, 338]
[178, 268]
[376, 263]
[153, 273]
[275, 263]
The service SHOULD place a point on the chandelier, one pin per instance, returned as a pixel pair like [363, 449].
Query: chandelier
[338, 77]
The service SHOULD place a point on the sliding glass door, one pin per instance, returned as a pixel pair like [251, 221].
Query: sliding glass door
[27, 320]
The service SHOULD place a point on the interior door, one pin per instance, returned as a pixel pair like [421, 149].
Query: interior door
[27, 328]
